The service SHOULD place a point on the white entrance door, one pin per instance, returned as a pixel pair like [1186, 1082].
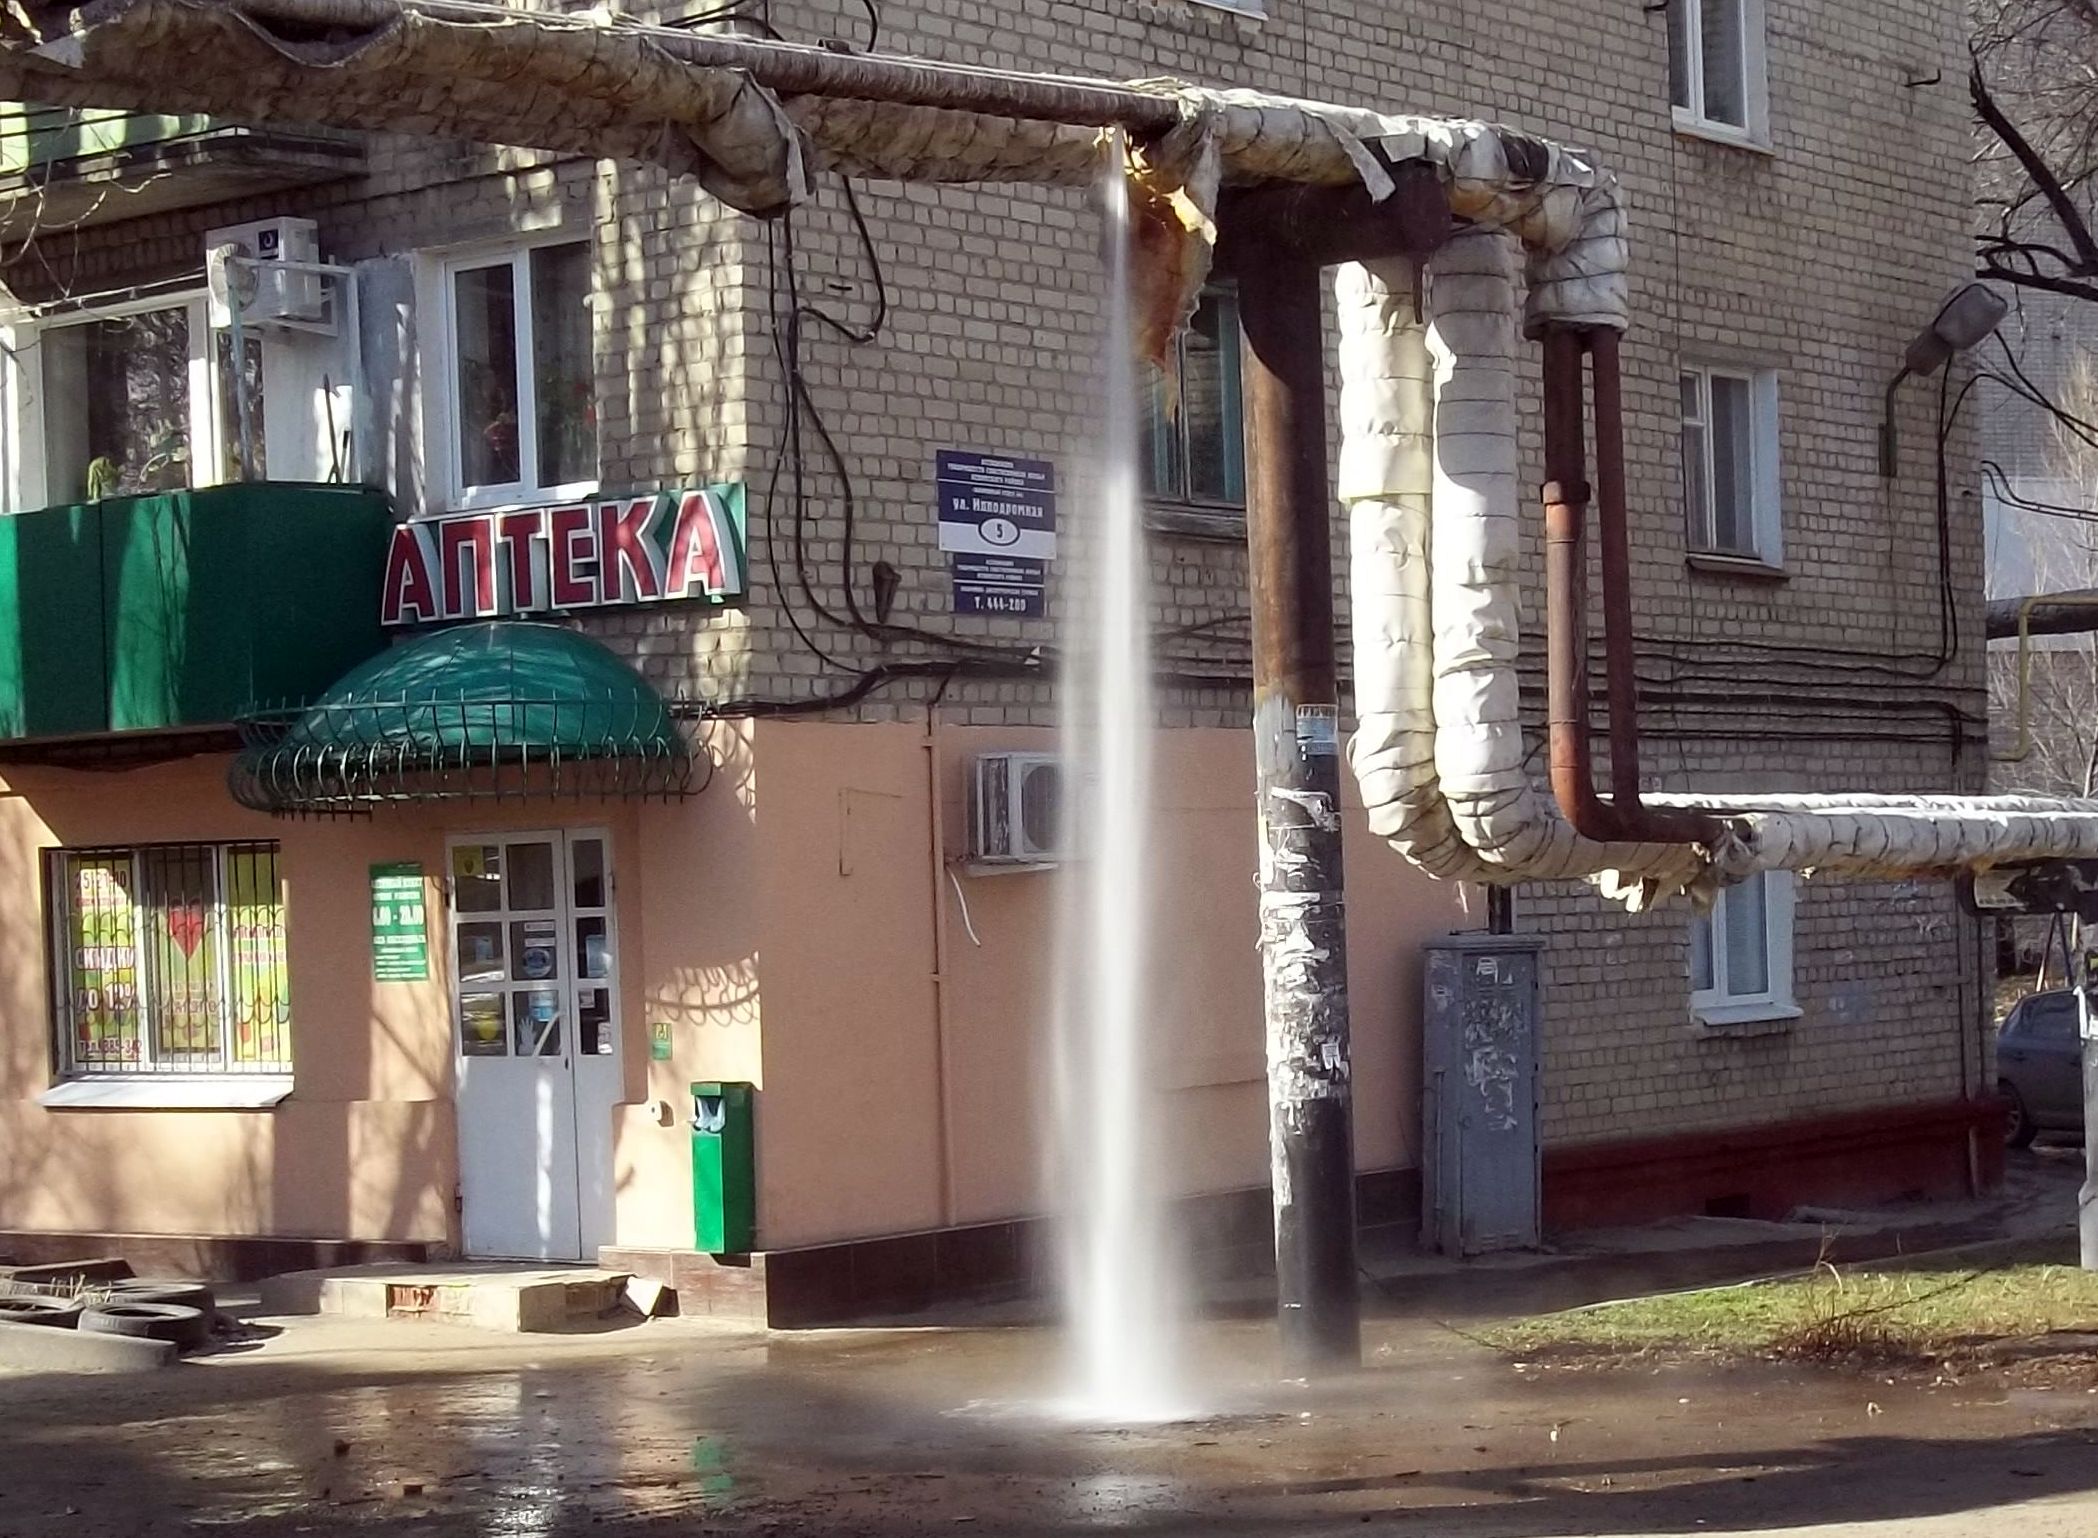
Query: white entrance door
[536, 1028]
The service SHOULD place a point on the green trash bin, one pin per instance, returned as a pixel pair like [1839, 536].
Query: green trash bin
[724, 1170]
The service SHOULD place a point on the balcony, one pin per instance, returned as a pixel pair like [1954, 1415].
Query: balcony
[134, 627]
[69, 166]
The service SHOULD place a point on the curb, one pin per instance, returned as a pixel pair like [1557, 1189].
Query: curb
[43, 1348]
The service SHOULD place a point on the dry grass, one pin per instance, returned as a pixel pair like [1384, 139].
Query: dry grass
[1878, 1313]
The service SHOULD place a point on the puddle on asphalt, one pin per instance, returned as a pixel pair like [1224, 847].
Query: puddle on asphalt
[856, 1432]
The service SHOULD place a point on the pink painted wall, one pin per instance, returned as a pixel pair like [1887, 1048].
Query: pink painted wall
[899, 1063]
[366, 1147]
[903, 1063]
[689, 940]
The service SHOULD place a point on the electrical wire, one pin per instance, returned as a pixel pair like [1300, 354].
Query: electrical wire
[2008, 494]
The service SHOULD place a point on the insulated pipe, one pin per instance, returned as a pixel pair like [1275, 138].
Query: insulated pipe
[1387, 479]
[1565, 589]
[1457, 598]
[791, 69]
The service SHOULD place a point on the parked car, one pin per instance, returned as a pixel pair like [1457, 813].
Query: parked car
[2039, 1066]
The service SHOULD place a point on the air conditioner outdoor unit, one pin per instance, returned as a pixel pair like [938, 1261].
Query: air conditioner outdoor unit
[1016, 811]
[261, 275]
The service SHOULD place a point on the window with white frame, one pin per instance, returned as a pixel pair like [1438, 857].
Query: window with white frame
[1729, 451]
[169, 960]
[1194, 433]
[522, 419]
[1741, 953]
[126, 402]
[1716, 67]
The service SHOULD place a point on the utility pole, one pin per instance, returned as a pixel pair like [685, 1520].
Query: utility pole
[1296, 743]
[2087, 1021]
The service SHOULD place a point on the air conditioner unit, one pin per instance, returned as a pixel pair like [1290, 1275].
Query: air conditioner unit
[268, 293]
[1016, 811]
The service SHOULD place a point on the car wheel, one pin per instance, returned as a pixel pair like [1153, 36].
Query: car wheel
[56, 1312]
[147, 1321]
[2018, 1130]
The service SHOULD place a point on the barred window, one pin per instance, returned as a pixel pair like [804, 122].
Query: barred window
[168, 960]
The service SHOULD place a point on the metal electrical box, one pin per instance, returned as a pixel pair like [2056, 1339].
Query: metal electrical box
[724, 1170]
[1481, 1154]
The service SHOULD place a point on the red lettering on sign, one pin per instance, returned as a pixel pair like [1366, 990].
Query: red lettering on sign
[699, 549]
[630, 567]
[519, 531]
[572, 559]
[408, 596]
[461, 541]
[631, 551]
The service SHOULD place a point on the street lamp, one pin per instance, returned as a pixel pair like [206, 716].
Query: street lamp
[1965, 319]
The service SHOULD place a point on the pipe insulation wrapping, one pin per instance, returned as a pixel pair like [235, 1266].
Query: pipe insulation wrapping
[1440, 750]
[1386, 476]
[1430, 476]
[1438, 746]
[750, 119]
[1865, 835]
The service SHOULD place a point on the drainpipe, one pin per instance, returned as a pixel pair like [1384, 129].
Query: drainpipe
[942, 948]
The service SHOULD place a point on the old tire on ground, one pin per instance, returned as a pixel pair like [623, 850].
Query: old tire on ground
[2018, 1128]
[146, 1289]
[59, 1313]
[147, 1321]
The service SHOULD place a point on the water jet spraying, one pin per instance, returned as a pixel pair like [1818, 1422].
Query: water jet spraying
[1120, 1286]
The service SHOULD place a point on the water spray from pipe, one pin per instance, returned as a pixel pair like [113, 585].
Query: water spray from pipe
[1121, 1293]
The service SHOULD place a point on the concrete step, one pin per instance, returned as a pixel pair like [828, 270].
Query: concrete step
[524, 1299]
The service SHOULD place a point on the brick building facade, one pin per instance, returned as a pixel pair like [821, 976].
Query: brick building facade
[1798, 206]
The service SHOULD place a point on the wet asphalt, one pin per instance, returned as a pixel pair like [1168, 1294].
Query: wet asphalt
[333, 1427]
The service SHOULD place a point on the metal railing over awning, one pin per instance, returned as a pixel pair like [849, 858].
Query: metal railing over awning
[503, 710]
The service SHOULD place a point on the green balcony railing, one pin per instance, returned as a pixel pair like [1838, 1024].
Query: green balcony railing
[71, 166]
[33, 137]
[179, 610]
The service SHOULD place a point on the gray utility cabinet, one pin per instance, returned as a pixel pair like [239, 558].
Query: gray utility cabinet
[1481, 1156]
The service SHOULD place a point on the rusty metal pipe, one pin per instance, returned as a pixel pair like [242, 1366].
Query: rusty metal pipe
[1620, 679]
[1566, 589]
[1296, 751]
[1620, 670]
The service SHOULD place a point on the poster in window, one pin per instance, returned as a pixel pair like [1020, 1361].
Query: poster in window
[102, 931]
[481, 1025]
[261, 981]
[181, 950]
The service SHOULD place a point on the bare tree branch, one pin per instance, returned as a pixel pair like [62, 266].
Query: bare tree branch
[2074, 288]
[2036, 169]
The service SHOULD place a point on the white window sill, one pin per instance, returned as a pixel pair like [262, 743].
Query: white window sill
[147, 1093]
[512, 499]
[1758, 1017]
[1690, 126]
[1748, 566]
[1254, 12]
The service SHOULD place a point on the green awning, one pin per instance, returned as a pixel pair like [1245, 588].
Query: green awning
[499, 710]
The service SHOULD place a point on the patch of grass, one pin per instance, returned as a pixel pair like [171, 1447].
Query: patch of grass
[1878, 1311]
